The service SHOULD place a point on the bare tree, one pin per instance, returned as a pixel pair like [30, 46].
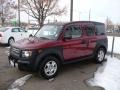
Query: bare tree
[6, 10]
[109, 24]
[40, 9]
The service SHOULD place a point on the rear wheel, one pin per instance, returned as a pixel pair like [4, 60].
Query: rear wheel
[11, 41]
[49, 67]
[100, 55]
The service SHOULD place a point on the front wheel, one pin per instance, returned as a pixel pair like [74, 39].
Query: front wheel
[100, 55]
[49, 67]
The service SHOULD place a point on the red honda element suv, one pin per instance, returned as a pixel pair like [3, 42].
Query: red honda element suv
[59, 43]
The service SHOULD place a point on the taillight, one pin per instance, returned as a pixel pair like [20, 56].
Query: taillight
[0, 35]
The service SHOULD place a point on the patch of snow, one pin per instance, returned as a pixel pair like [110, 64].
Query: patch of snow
[116, 44]
[107, 76]
[14, 89]
[11, 63]
[8, 47]
[20, 82]
[52, 79]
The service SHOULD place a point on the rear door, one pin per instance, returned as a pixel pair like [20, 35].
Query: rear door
[23, 33]
[74, 47]
[90, 38]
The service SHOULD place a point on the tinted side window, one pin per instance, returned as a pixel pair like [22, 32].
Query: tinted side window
[21, 30]
[90, 31]
[15, 30]
[100, 29]
[73, 31]
[68, 31]
[76, 32]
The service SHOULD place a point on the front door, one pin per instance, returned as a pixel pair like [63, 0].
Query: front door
[75, 46]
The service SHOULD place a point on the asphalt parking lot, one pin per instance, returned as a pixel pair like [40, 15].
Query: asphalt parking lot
[71, 76]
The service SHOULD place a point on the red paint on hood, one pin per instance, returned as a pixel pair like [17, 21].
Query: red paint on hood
[32, 43]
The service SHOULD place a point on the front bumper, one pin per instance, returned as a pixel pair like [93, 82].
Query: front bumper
[15, 57]
[14, 61]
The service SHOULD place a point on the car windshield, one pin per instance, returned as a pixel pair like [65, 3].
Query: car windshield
[49, 32]
[3, 29]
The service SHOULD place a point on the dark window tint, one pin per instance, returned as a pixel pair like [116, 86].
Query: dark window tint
[15, 30]
[100, 29]
[90, 31]
[68, 31]
[74, 31]
[22, 30]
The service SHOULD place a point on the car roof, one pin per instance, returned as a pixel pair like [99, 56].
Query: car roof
[64, 23]
[12, 27]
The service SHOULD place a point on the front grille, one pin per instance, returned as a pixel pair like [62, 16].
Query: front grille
[15, 51]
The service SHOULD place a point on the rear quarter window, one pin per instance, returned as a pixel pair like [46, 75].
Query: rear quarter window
[15, 30]
[3, 29]
[100, 30]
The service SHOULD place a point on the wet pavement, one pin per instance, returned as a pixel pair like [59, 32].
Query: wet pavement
[71, 76]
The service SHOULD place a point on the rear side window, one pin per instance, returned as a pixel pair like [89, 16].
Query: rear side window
[100, 30]
[90, 31]
[3, 29]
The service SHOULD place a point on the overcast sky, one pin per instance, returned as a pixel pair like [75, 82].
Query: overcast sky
[100, 10]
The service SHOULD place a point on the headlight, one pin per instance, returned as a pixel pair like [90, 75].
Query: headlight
[26, 53]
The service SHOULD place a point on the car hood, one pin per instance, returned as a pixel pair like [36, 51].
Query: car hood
[32, 43]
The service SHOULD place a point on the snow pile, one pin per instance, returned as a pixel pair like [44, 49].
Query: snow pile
[107, 76]
[20, 82]
[116, 44]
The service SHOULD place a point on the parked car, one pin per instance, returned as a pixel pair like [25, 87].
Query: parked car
[60, 43]
[8, 35]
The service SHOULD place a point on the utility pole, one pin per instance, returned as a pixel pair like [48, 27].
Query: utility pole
[112, 53]
[89, 14]
[2, 11]
[71, 10]
[19, 23]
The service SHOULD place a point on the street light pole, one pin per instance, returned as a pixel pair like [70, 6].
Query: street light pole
[19, 23]
[71, 10]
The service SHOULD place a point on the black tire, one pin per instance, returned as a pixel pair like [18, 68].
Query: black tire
[43, 65]
[10, 41]
[21, 67]
[100, 55]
